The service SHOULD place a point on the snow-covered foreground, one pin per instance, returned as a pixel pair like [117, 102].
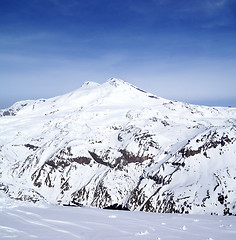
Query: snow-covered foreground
[57, 222]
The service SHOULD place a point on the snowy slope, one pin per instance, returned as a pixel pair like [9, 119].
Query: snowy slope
[42, 221]
[114, 144]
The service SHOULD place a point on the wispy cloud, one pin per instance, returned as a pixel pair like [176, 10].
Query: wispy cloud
[219, 13]
[216, 4]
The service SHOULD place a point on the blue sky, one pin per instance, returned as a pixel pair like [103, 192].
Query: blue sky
[181, 50]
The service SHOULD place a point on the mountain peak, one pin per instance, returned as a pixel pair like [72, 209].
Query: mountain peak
[116, 82]
[119, 82]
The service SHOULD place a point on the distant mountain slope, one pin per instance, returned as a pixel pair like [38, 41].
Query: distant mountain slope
[116, 145]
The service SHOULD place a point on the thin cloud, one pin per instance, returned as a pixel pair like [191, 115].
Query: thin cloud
[216, 5]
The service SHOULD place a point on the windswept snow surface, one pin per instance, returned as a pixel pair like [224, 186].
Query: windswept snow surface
[116, 145]
[47, 222]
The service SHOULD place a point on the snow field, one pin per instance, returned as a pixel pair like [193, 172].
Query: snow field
[71, 223]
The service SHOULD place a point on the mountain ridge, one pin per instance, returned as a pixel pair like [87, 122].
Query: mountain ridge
[114, 144]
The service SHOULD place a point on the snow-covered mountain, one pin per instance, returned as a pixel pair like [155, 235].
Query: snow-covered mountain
[114, 145]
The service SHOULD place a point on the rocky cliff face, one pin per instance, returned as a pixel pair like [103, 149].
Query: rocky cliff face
[114, 145]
